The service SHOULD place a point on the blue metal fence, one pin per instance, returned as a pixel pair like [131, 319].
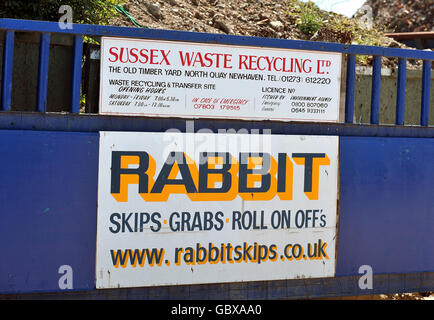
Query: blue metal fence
[385, 177]
[80, 30]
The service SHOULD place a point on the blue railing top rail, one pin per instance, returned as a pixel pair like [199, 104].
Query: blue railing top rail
[10, 26]
[114, 31]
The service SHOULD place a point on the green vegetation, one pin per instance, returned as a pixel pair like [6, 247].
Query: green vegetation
[309, 24]
[309, 19]
[84, 11]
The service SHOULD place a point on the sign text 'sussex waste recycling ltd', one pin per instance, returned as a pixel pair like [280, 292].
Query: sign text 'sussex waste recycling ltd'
[180, 79]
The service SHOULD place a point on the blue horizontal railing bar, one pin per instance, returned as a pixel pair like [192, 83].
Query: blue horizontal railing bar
[96, 123]
[114, 31]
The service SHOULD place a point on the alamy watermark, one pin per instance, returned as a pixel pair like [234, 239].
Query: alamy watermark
[226, 141]
[66, 280]
[366, 281]
[65, 21]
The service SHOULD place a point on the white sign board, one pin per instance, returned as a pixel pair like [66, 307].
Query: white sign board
[177, 208]
[195, 80]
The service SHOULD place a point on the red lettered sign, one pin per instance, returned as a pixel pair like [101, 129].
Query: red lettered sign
[192, 80]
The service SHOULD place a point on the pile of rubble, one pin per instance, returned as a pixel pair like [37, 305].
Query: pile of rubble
[251, 18]
[289, 19]
[261, 18]
[403, 15]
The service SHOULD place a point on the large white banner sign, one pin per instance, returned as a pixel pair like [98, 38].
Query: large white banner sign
[180, 79]
[177, 208]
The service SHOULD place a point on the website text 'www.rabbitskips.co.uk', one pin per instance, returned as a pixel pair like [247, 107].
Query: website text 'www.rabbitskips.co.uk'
[225, 253]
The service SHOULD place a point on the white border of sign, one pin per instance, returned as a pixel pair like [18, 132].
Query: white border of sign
[197, 91]
[312, 223]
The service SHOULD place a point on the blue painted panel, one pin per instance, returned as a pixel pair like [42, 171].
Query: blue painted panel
[48, 195]
[96, 123]
[386, 205]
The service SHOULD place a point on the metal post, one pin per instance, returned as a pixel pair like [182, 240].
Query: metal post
[376, 90]
[8, 63]
[350, 88]
[426, 83]
[400, 93]
[44, 55]
[76, 74]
